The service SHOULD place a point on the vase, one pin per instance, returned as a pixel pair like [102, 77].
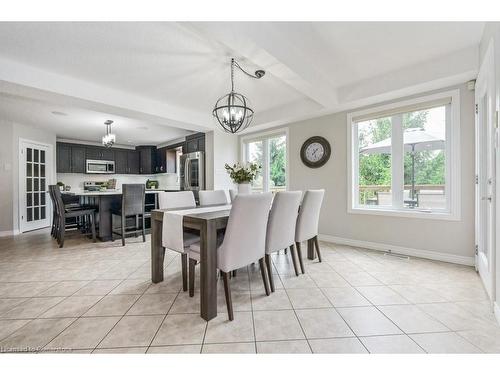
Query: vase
[244, 188]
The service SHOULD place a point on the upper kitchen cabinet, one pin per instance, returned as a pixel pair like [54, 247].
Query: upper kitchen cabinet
[161, 160]
[99, 153]
[133, 162]
[195, 142]
[121, 160]
[147, 159]
[78, 157]
[63, 151]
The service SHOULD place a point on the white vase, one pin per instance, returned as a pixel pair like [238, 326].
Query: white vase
[244, 188]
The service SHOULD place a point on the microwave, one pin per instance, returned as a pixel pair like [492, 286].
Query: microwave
[100, 166]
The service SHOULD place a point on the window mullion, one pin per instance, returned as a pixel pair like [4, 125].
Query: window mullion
[397, 161]
[265, 167]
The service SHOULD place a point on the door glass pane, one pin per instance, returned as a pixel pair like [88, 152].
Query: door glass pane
[256, 155]
[29, 214]
[35, 170]
[42, 170]
[35, 184]
[35, 155]
[42, 198]
[36, 213]
[28, 184]
[374, 172]
[42, 184]
[29, 169]
[277, 163]
[42, 213]
[29, 154]
[29, 199]
[42, 156]
[36, 200]
[424, 160]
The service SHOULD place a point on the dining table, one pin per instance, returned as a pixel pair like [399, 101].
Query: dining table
[208, 224]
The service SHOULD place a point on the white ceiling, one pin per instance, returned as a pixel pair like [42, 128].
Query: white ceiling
[171, 74]
[73, 123]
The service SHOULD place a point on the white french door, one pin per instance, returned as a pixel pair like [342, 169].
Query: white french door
[486, 134]
[35, 170]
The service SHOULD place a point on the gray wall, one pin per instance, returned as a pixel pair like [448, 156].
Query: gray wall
[6, 185]
[451, 237]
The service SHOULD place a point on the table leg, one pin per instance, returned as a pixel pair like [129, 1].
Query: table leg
[157, 251]
[208, 270]
[311, 254]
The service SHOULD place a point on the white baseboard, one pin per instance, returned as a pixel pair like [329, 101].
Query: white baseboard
[7, 233]
[496, 310]
[434, 255]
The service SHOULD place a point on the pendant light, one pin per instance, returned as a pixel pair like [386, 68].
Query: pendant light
[109, 139]
[233, 111]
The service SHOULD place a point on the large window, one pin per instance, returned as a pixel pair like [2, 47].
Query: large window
[404, 158]
[270, 151]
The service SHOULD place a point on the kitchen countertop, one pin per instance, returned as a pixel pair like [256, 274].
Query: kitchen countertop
[108, 192]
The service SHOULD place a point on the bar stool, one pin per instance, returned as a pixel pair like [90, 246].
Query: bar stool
[132, 206]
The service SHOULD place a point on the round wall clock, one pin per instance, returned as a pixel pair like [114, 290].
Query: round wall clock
[315, 152]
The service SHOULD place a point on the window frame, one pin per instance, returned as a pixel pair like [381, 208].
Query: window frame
[264, 137]
[452, 156]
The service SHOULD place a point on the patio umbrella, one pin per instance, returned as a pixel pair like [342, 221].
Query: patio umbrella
[415, 140]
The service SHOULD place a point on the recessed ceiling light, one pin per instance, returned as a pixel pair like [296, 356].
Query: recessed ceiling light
[57, 113]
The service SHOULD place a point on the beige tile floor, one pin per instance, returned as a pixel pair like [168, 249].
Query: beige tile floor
[98, 298]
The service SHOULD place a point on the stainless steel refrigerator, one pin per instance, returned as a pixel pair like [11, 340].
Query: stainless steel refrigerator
[192, 172]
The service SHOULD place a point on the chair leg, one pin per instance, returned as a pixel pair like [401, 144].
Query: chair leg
[318, 251]
[270, 271]
[143, 229]
[292, 254]
[92, 226]
[233, 273]
[123, 229]
[227, 291]
[299, 254]
[112, 229]
[184, 260]
[192, 270]
[136, 225]
[264, 275]
[62, 231]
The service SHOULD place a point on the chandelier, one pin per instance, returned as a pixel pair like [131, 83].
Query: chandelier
[109, 139]
[233, 111]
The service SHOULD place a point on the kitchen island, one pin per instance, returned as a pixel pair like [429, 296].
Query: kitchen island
[105, 200]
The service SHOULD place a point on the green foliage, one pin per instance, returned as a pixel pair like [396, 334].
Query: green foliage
[277, 158]
[242, 174]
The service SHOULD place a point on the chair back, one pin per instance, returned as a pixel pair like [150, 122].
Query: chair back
[245, 238]
[55, 195]
[176, 199]
[212, 197]
[308, 219]
[282, 220]
[232, 194]
[133, 196]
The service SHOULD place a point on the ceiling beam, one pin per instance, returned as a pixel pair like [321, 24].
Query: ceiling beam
[24, 80]
[270, 47]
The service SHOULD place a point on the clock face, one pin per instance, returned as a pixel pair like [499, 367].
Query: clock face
[315, 152]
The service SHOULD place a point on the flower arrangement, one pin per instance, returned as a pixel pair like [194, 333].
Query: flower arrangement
[243, 174]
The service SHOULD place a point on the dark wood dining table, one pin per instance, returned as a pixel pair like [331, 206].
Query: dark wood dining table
[207, 223]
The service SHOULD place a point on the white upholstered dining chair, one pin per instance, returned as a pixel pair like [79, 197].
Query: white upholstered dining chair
[307, 222]
[172, 200]
[244, 242]
[232, 194]
[212, 197]
[281, 228]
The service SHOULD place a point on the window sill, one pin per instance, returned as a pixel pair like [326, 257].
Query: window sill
[404, 213]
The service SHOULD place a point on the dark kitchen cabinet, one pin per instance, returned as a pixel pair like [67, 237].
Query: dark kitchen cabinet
[161, 160]
[78, 157]
[63, 156]
[147, 159]
[99, 153]
[195, 142]
[121, 161]
[133, 162]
